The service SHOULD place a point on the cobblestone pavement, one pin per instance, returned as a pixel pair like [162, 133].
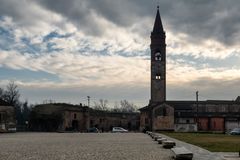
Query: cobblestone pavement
[80, 146]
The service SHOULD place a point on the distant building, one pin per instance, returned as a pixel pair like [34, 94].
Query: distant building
[7, 117]
[105, 120]
[58, 117]
[160, 114]
[66, 117]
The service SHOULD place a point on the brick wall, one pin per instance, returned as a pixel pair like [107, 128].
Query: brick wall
[163, 118]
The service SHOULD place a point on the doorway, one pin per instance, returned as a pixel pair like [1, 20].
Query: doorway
[75, 125]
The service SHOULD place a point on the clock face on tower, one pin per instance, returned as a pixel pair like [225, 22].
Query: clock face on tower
[158, 56]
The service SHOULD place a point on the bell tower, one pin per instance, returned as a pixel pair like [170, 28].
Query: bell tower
[158, 62]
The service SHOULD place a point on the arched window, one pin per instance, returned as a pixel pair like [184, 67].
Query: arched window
[75, 115]
[158, 56]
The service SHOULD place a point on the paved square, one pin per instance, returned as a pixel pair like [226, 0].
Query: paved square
[80, 146]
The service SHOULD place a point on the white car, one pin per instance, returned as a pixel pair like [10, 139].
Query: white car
[119, 130]
[235, 131]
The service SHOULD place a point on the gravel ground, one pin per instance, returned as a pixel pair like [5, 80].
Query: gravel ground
[80, 146]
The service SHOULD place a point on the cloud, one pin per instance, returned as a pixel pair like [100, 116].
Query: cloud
[75, 69]
[87, 14]
[209, 89]
[187, 73]
[76, 95]
[231, 61]
[124, 42]
[106, 43]
[199, 20]
[28, 15]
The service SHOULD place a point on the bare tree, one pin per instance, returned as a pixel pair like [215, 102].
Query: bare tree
[11, 95]
[2, 93]
[101, 105]
[116, 107]
[48, 101]
[127, 106]
[123, 106]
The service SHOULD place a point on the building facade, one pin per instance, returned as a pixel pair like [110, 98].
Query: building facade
[184, 116]
[7, 117]
[66, 117]
[105, 120]
[58, 117]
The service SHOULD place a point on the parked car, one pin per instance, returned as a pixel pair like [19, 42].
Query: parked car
[93, 130]
[119, 130]
[235, 131]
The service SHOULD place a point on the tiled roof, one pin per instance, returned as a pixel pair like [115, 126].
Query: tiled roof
[187, 105]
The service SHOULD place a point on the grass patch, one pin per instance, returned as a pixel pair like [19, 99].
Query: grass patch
[211, 142]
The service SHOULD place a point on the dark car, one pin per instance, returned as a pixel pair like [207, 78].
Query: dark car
[235, 131]
[93, 130]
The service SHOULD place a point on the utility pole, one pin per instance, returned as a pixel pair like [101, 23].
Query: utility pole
[88, 99]
[197, 107]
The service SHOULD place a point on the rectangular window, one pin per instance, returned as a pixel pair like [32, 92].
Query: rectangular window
[75, 115]
[91, 123]
[146, 121]
[158, 76]
[164, 111]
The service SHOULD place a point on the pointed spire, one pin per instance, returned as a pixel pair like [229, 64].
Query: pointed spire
[158, 28]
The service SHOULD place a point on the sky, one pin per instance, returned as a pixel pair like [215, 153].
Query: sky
[68, 50]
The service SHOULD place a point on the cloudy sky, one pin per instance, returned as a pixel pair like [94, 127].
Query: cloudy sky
[68, 50]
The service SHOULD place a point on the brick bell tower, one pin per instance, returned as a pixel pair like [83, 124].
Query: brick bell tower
[158, 62]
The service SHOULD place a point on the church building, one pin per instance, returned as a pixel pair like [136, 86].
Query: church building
[161, 114]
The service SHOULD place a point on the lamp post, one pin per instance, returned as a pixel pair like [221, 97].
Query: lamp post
[197, 108]
[88, 98]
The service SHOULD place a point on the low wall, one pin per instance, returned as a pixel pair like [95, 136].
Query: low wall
[185, 127]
